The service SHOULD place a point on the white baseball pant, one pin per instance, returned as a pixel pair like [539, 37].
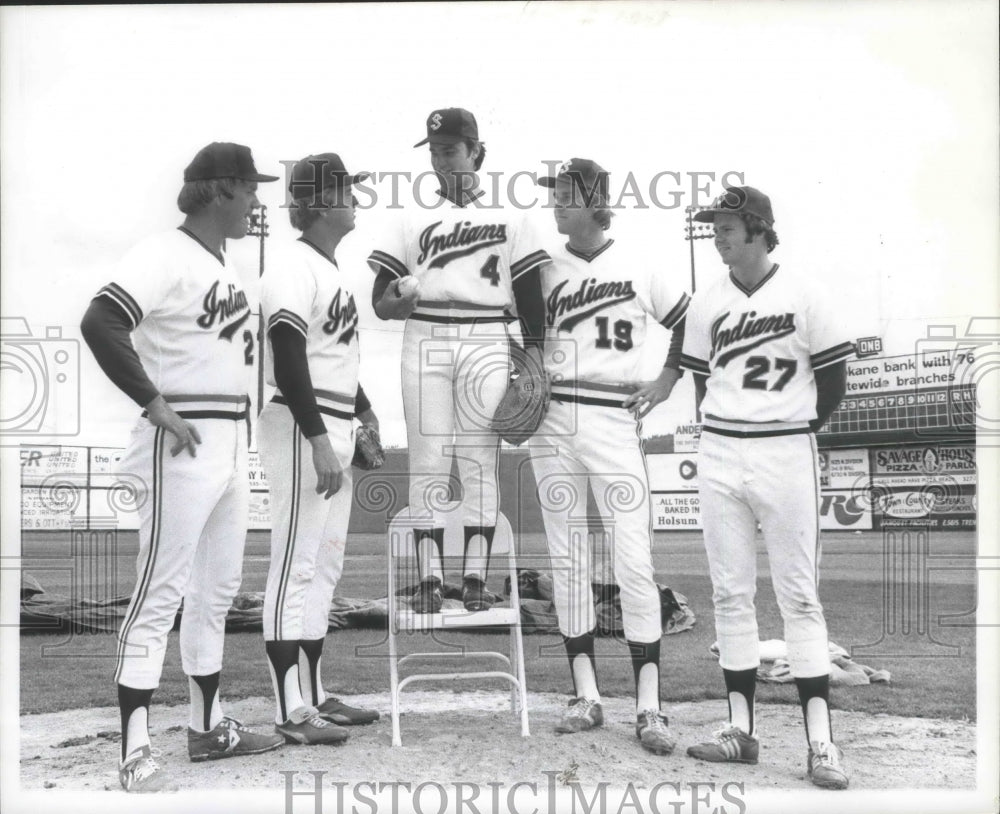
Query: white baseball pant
[192, 531]
[453, 376]
[308, 533]
[574, 443]
[773, 480]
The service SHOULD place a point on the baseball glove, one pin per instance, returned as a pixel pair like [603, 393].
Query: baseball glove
[368, 453]
[521, 409]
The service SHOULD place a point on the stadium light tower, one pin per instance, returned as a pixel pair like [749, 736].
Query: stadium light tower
[692, 232]
[695, 231]
[258, 228]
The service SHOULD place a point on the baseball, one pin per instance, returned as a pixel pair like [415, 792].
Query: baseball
[409, 286]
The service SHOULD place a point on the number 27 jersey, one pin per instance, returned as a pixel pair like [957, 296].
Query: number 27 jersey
[759, 347]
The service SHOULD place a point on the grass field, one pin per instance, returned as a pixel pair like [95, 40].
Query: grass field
[928, 646]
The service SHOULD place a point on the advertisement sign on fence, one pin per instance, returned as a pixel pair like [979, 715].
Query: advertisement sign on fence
[931, 484]
[843, 468]
[844, 510]
[676, 510]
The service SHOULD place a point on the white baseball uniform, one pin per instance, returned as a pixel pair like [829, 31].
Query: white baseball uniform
[189, 316]
[456, 354]
[305, 289]
[757, 456]
[597, 309]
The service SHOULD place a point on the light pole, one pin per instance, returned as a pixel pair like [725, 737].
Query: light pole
[258, 228]
[695, 231]
[692, 232]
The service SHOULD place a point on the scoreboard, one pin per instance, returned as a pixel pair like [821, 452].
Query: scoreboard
[925, 397]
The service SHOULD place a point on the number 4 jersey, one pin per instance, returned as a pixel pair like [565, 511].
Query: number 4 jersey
[465, 254]
[759, 348]
[596, 307]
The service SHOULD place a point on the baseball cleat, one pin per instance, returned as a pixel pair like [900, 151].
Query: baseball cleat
[475, 597]
[583, 714]
[229, 738]
[139, 773]
[306, 725]
[729, 745]
[428, 598]
[651, 730]
[825, 767]
[337, 712]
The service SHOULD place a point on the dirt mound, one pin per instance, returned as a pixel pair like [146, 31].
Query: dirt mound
[466, 738]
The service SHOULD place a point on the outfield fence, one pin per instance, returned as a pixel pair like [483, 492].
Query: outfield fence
[933, 485]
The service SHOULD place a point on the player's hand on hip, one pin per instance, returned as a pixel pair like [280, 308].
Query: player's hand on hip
[648, 394]
[161, 414]
[329, 475]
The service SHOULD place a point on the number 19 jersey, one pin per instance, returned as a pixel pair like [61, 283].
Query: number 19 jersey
[759, 347]
[596, 309]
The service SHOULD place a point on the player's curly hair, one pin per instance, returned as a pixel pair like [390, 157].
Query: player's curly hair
[304, 212]
[599, 200]
[196, 195]
[602, 211]
[471, 144]
[756, 226]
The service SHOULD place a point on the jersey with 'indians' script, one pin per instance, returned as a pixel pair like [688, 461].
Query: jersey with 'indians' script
[596, 309]
[189, 315]
[460, 254]
[759, 347]
[305, 289]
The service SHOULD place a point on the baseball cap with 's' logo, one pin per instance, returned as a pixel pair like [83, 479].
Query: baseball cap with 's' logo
[586, 175]
[450, 125]
[737, 201]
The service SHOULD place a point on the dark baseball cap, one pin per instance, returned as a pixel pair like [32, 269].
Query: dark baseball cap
[738, 201]
[588, 176]
[450, 125]
[222, 159]
[316, 173]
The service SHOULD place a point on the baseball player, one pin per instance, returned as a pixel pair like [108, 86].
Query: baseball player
[312, 358]
[769, 358]
[599, 296]
[170, 330]
[453, 272]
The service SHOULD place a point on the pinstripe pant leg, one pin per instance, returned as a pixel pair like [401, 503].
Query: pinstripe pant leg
[174, 504]
[218, 570]
[335, 515]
